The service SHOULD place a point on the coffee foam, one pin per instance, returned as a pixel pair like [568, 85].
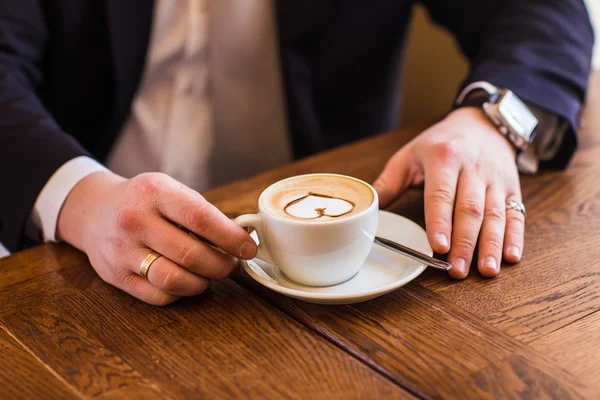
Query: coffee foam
[317, 198]
[315, 205]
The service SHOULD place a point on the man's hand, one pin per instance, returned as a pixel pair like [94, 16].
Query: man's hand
[118, 221]
[469, 173]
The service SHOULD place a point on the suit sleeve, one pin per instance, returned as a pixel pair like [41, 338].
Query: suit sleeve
[32, 145]
[540, 49]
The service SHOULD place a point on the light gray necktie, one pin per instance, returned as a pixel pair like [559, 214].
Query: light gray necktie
[249, 116]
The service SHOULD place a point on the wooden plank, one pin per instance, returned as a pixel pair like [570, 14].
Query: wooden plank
[576, 348]
[224, 344]
[512, 327]
[517, 378]
[132, 393]
[51, 332]
[49, 272]
[18, 366]
[418, 339]
[559, 306]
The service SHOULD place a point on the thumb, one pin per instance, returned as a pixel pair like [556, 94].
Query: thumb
[394, 179]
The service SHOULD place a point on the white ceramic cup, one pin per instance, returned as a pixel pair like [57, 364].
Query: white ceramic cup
[314, 254]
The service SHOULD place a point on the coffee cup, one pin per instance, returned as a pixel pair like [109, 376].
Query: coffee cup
[317, 229]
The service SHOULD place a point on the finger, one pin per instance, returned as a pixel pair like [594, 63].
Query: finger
[468, 216]
[515, 231]
[169, 277]
[441, 176]
[395, 177]
[140, 288]
[492, 232]
[186, 251]
[190, 210]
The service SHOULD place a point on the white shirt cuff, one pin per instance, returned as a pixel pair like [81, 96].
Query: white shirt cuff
[52, 197]
[550, 133]
[3, 251]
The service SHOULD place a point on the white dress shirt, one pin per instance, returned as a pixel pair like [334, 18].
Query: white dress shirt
[170, 128]
[3, 251]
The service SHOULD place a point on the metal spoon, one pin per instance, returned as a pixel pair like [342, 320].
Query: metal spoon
[414, 254]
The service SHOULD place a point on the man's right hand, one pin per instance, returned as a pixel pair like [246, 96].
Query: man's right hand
[117, 222]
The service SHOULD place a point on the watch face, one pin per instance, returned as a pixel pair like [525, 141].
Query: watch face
[517, 115]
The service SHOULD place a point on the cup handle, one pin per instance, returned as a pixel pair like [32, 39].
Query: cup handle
[255, 221]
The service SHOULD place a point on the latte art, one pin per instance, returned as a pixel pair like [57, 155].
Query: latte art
[317, 198]
[315, 205]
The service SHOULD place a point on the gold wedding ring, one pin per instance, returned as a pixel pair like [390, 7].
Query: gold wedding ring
[147, 262]
[514, 205]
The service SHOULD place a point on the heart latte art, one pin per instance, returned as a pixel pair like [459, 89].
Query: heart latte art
[315, 205]
[317, 198]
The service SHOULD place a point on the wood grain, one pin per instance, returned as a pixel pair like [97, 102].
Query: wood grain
[516, 378]
[420, 340]
[559, 306]
[224, 344]
[576, 348]
[41, 272]
[132, 393]
[22, 376]
[72, 351]
[512, 327]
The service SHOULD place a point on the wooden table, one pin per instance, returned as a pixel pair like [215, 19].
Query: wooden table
[533, 332]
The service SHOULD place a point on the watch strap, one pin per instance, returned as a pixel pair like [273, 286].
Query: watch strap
[482, 85]
[476, 98]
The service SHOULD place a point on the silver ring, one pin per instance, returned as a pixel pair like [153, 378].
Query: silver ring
[514, 205]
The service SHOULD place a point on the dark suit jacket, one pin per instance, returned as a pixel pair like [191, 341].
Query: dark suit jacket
[70, 68]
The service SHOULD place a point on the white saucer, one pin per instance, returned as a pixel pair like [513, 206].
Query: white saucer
[383, 272]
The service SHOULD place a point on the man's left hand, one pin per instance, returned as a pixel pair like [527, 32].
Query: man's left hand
[470, 174]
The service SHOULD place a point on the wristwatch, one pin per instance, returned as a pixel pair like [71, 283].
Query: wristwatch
[506, 111]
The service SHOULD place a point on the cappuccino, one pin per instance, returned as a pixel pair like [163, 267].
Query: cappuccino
[317, 198]
[317, 229]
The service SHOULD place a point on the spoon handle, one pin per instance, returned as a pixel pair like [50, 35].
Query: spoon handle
[414, 254]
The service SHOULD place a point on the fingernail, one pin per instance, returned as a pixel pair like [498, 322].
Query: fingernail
[489, 262]
[247, 250]
[460, 265]
[514, 252]
[442, 240]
